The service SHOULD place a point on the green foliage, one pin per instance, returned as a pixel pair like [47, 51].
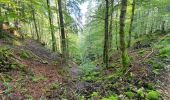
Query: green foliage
[112, 97]
[2, 35]
[141, 93]
[81, 98]
[24, 54]
[141, 52]
[130, 94]
[9, 88]
[165, 52]
[38, 79]
[6, 64]
[54, 86]
[153, 95]
[150, 86]
[95, 95]
[126, 60]
[164, 47]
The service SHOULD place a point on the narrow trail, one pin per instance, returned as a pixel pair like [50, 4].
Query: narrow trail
[40, 50]
[45, 64]
[41, 71]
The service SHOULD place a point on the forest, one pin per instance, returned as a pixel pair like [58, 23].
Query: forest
[84, 49]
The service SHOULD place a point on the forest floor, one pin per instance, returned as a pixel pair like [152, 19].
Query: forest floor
[34, 72]
[40, 71]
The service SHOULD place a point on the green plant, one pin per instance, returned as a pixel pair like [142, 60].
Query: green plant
[9, 88]
[165, 52]
[153, 95]
[24, 54]
[150, 86]
[54, 86]
[94, 94]
[130, 94]
[140, 92]
[81, 98]
[112, 97]
[141, 52]
[37, 79]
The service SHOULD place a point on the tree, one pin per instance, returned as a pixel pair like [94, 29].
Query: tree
[54, 46]
[111, 25]
[131, 23]
[124, 55]
[34, 20]
[63, 35]
[106, 38]
[116, 30]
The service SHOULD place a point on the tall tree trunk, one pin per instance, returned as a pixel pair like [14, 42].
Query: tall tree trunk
[1, 20]
[31, 29]
[111, 25]
[117, 17]
[58, 22]
[51, 27]
[0, 12]
[131, 23]
[63, 35]
[124, 55]
[138, 25]
[106, 39]
[35, 24]
[39, 28]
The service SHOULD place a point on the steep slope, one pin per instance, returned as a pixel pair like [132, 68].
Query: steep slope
[35, 69]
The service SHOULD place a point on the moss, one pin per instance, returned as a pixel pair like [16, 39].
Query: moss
[130, 94]
[165, 52]
[149, 86]
[54, 86]
[24, 54]
[112, 97]
[153, 95]
[141, 92]
[37, 79]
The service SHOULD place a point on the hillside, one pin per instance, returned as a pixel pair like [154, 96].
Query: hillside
[29, 70]
[84, 50]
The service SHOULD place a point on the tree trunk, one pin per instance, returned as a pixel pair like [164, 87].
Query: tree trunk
[111, 25]
[131, 23]
[106, 41]
[1, 20]
[31, 29]
[58, 22]
[39, 28]
[51, 27]
[124, 55]
[117, 17]
[63, 36]
[35, 25]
